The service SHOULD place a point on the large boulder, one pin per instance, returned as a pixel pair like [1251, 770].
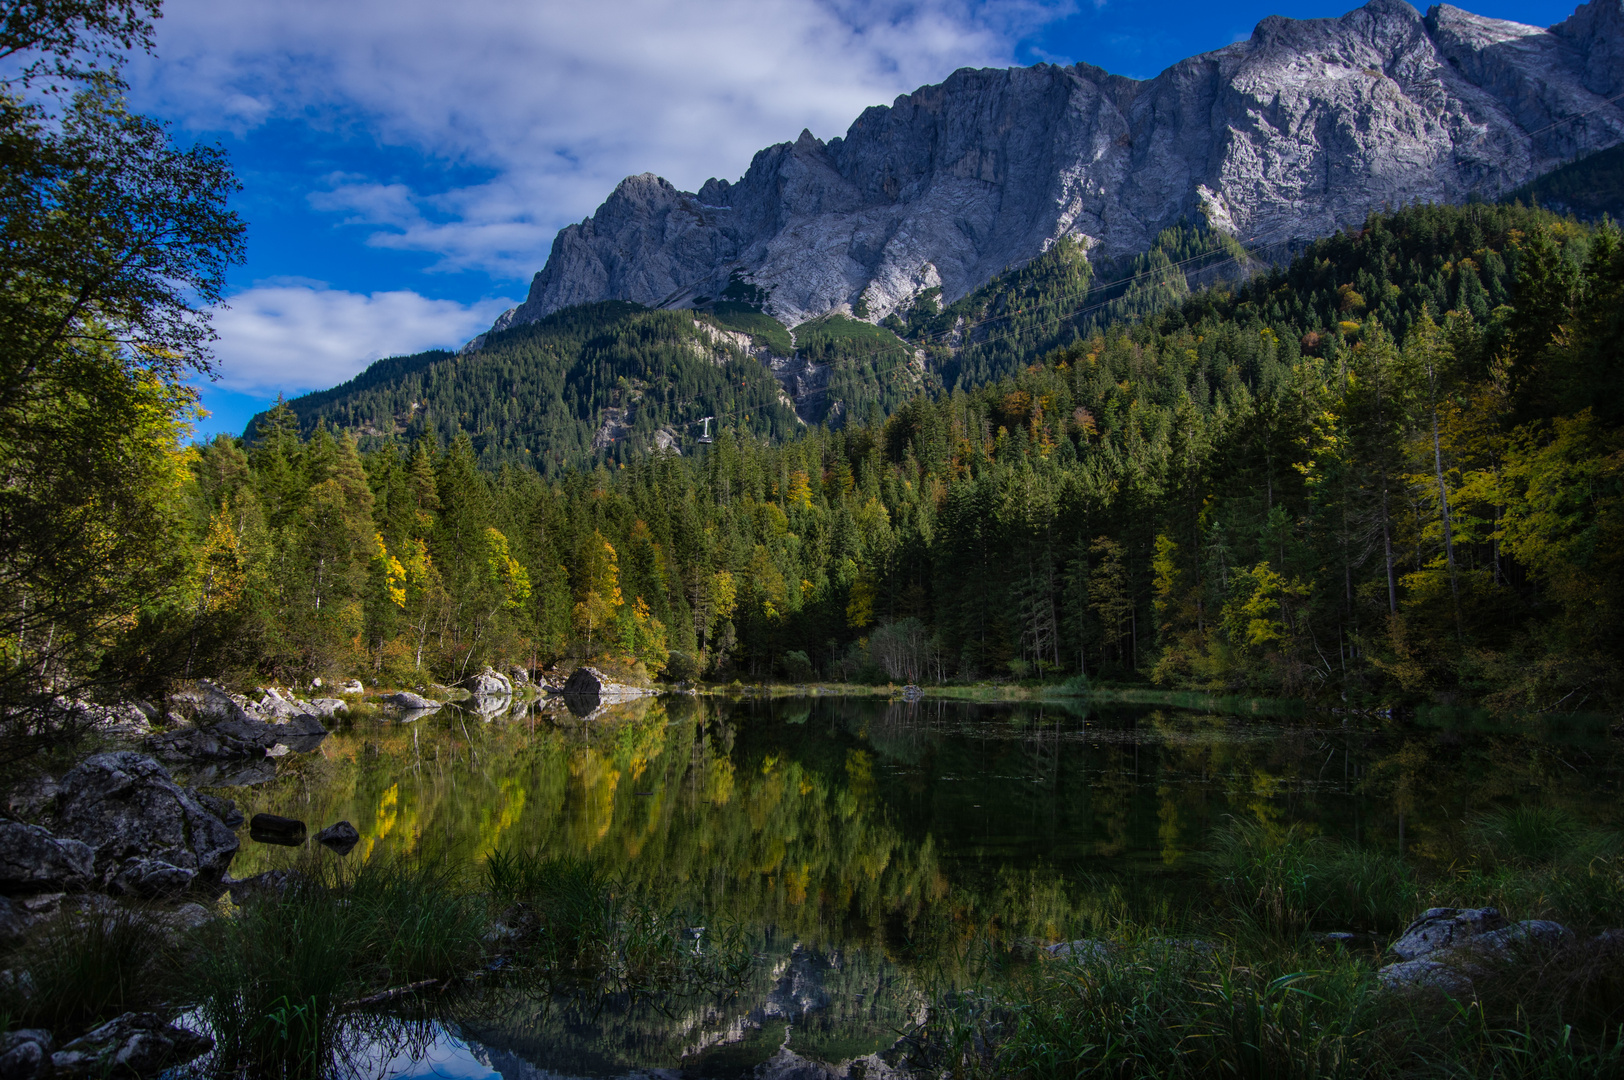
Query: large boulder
[589, 682]
[1442, 928]
[488, 683]
[32, 860]
[149, 835]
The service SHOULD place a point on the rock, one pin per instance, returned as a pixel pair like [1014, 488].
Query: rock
[409, 701]
[271, 885]
[152, 878]
[1451, 967]
[327, 707]
[1086, 950]
[272, 829]
[33, 860]
[589, 682]
[1427, 973]
[1442, 928]
[519, 676]
[340, 837]
[224, 809]
[352, 686]
[130, 812]
[135, 1044]
[488, 683]
[1508, 941]
[229, 726]
[1295, 132]
[14, 922]
[25, 1054]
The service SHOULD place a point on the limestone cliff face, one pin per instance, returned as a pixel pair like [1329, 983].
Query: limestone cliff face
[1302, 129]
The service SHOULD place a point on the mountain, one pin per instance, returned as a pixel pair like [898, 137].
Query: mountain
[1304, 128]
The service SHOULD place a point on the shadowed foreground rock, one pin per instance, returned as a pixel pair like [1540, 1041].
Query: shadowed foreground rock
[1445, 949]
[135, 1044]
[148, 835]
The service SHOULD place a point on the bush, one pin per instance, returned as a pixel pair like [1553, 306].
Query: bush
[797, 666]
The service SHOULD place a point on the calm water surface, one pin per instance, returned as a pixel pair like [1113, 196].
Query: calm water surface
[865, 847]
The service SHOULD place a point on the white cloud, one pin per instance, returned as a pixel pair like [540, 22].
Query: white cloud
[292, 336]
[558, 100]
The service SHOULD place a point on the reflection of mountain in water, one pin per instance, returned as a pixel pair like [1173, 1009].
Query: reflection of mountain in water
[827, 1009]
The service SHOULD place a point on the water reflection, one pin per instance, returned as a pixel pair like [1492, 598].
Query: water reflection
[867, 845]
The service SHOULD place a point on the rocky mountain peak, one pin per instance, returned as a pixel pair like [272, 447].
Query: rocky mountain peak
[1303, 128]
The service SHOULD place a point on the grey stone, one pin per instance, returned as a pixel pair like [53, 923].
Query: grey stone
[518, 675]
[352, 686]
[1442, 928]
[341, 837]
[135, 1044]
[33, 860]
[224, 809]
[589, 682]
[130, 812]
[271, 884]
[1086, 950]
[409, 701]
[25, 1054]
[1301, 129]
[152, 878]
[1508, 941]
[31, 797]
[1427, 973]
[488, 683]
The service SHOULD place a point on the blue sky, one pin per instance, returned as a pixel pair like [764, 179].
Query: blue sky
[406, 163]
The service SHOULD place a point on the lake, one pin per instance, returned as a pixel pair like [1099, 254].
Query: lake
[870, 853]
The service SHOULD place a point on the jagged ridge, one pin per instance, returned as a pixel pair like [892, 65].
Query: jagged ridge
[1300, 130]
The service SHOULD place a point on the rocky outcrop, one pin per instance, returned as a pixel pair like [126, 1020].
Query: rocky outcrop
[1301, 129]
[148, 835]
[229, 726]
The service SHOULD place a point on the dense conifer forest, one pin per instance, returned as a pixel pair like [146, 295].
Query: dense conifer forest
[1391, 470]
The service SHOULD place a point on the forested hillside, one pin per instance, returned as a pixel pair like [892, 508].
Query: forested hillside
[1391, 470]
[601, 383]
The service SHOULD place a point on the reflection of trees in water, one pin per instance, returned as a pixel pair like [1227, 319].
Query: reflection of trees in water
[889, 823]
[842, 1004]
[896, 837]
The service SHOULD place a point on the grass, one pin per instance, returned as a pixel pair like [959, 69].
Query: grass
[578, 928]
[317, 979]
[83, 969]
[274, 983]
[1261, 997]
